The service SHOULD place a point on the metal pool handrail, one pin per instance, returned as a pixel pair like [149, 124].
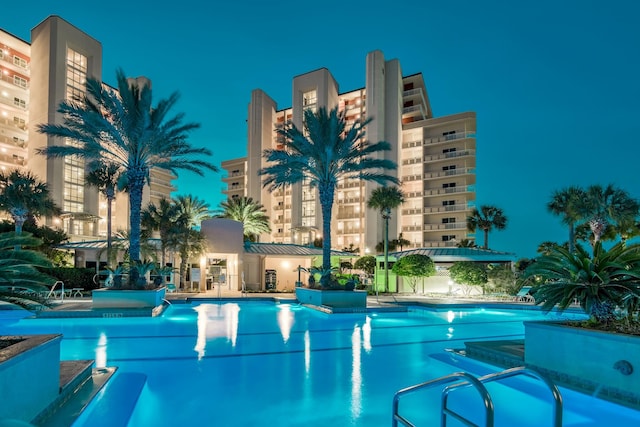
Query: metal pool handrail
[456, 376]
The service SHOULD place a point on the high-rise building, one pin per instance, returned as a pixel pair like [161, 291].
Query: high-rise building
[435, 156]
[35, 78]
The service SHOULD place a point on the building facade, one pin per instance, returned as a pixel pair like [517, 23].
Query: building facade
[436, 159]
[35, 77]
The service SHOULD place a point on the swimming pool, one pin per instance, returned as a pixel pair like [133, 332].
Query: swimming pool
[260, 363]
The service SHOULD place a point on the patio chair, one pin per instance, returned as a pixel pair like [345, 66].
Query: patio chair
[523, 295]
[171, 288]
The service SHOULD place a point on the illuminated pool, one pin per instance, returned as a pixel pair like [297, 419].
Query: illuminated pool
[260, 363]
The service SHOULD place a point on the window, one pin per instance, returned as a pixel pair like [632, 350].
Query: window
[448, 238]
[449, 150]
[20, 62]
[449, 168]
[449, 185]
[449, 135]
[448, 202]
[19, 81]
[20, 122]
[19, 102]
[448, 220]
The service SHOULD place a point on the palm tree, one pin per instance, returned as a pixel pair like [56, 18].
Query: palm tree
[487, 218]
[545, 248]
[566, 203]
[600, 283]
[185, 238]
[193, 210]
[125, 129]
[22, 196]
[105, 177]
[18, 270]
[251, 214]
[609, 206]
[466, 243]
[384, 199]
[323, 153]
[401, 242]
[162, 218]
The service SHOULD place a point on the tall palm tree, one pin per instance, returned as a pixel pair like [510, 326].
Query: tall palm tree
[193, 209]
[486, 218]
[384, 199]
[163, 218]
[124, 128]
[566, 203]
[105, 177]
[188, 243]
[323, 153]
[22, 195]
[251, 214]
[607, 206]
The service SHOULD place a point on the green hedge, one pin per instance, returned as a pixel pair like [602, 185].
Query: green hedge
[74, 277]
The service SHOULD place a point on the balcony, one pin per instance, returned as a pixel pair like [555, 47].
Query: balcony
[349, 215]
[233, 176]
[412, 161]
[16, 142]
[410, 228]
[449, 208]
[12, 124]
[350, 200]
[440, 244]
[447, 226]
[449, 138]
[450, 190]
[236, 189]
[412, 144]
[450, 172]
[13, 159]
[409, 178]
[348, 231]
[351, 184]
[281, 207]
[416, 211]
[412, 92]
[450, 155]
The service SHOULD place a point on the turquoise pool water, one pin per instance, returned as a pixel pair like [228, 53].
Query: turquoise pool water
[266, 364]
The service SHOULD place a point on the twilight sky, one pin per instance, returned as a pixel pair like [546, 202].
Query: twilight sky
[555, 84]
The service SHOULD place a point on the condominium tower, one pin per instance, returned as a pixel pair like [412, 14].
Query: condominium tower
[34, 78]
[435, 156]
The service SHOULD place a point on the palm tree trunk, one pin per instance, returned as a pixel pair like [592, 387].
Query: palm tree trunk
[136, 184]
[386, 253]
[326, 204]
[572, 238]
[109, 204]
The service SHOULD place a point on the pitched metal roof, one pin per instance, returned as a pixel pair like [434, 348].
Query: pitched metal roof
[287, 249]
[458, 254]
[100, 244]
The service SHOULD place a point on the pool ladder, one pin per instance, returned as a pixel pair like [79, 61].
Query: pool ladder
[463, 379]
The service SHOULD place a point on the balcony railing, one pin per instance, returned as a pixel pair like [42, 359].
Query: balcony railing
[450, 172]
[350, 200]
[411, 92]
[412, 161]
[412, 144]
[14, 159]
[449, 208]
[11, 123]
[13, 82]
[450, 155]
[412, 178]
[447, 226]
[411, 228]
[416, 211]
[11, 141]
[440, 244]
[349, 215]
[449, 190]
[352, 184]
[450, 137]
[281, 207]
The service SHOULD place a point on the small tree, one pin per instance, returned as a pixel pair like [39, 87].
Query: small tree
[503, 278]
[367, 264]
[414, 267]
[469, 273]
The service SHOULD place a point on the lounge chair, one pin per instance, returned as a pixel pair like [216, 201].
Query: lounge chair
[171, 288]
[523, 295]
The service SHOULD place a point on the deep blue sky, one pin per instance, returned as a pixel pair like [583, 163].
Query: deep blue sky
[555, 84]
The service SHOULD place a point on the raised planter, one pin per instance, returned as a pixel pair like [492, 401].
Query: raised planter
[331, 298]
[606, 364]
[29, 376]
[127, 298]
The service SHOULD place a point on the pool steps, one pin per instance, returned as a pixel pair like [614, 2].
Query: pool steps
[115, 403]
